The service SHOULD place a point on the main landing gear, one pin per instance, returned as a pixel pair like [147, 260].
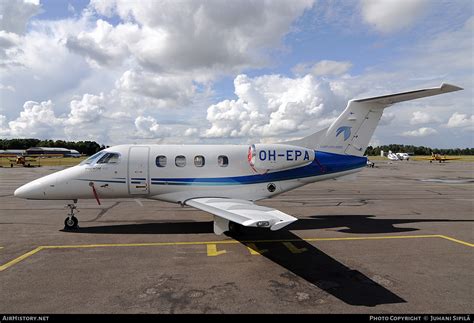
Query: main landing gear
[235, 228]
[222, 225]
[71, 222]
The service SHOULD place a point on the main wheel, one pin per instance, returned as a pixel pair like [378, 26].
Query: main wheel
[235, 228]
[71, 223]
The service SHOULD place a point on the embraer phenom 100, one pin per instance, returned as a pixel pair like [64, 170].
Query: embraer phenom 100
[224, 180]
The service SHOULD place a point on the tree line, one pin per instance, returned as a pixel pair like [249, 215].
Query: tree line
[84, 147]
[417, 150]
[91, 147]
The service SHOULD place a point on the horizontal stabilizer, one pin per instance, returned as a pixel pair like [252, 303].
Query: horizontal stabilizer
[243, 212]
[411, 95]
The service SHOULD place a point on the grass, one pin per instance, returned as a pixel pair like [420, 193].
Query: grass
[53, 161]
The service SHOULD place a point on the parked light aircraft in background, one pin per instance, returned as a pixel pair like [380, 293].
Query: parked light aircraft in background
[224, 180]
[439, 158]
[397, 156]
[403, 156]
[392, 156]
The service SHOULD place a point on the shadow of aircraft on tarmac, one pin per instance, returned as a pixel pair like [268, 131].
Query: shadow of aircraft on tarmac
[300, 257]
[362, 224]
[318, 268]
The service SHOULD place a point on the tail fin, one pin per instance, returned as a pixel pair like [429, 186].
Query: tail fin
[351, 132]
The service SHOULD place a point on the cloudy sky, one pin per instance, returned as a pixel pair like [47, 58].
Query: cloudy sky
[129, 71]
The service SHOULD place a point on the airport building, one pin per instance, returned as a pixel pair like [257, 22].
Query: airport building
[53, 151]
[12, 152]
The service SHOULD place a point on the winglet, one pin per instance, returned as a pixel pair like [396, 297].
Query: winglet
[446, 87]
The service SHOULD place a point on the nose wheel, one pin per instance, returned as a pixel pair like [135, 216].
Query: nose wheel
[71, 222]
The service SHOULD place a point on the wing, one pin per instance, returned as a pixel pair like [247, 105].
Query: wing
[243, 212]
[424, 158]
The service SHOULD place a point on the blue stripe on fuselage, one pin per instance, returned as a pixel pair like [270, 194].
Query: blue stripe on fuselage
[325, 163]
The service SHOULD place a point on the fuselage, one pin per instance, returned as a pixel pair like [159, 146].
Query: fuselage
[176, 173]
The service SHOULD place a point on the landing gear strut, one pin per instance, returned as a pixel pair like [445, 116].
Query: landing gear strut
[71, 222]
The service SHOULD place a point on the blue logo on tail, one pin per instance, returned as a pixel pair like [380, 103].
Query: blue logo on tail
[346, 130]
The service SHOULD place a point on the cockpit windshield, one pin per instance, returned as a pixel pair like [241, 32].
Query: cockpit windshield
[102, 157]
[93, 158]
[109, 158]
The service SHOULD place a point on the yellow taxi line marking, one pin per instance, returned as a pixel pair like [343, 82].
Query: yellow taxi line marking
[152, 244]
[213, 244]
[293, 248]
[212, 250]
[373, 238]
[17, 260]
[457, 241]
[254, 250]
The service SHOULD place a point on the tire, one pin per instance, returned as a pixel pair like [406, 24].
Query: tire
[235, 228]
[71, 223]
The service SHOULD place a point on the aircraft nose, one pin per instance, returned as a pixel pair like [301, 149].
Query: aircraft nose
[27, 191]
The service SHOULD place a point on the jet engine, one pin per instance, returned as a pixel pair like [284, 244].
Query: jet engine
[269, 157]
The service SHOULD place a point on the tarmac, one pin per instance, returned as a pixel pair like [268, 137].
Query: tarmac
[398, 239]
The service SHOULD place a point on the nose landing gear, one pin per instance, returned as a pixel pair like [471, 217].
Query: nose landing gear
[71, 222]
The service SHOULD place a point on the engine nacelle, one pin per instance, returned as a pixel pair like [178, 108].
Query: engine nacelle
[266, 157]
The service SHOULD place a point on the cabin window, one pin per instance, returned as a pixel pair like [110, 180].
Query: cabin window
[109, 158]
[161, 161]
[199, 161]
[180, 161]
[223, 161]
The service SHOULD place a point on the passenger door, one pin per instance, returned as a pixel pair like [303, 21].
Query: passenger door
[138, 181]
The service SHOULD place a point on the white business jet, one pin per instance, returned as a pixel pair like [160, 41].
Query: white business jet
[403, 156]
[392, 156]
[224, 180]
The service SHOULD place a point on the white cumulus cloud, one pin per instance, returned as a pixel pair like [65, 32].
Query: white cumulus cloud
[392, 15]
[323, 68]
[4, 128]
[14, 14]
[421, 132]
[7, 87]
[36, 120]
[212, 35]
[387, 118]
[460, 120]
[157, 69]
[272, 105]
[105, 44]
[147, 127]
[87, 110]
[420, 117]
[168, 88]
